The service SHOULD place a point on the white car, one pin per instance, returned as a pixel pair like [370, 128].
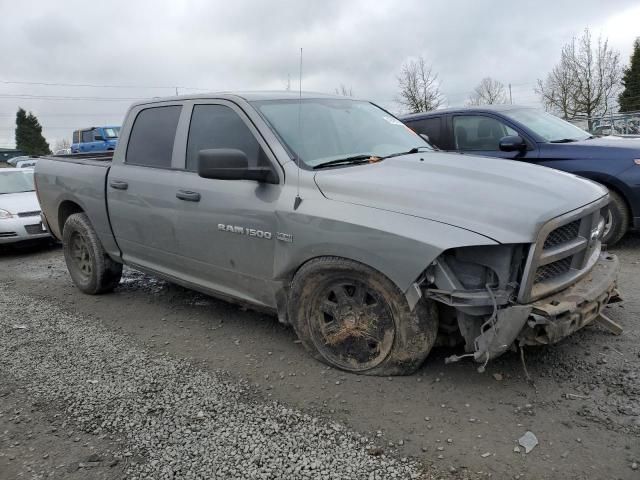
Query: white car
[27, 163]
[19, 207]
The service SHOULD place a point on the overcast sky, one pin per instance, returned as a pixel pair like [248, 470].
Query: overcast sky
[253, 45]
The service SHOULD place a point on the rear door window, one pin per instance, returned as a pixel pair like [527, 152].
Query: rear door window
[219, 126]
[431, 127]
[87, 136]
[479, 132]
[152, 137]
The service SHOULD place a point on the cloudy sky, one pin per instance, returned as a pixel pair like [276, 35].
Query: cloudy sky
[77, 64]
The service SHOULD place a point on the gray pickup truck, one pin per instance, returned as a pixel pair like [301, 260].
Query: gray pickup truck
[333, 214]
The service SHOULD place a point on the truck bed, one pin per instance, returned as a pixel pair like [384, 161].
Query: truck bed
[101, 159]
[67, 184]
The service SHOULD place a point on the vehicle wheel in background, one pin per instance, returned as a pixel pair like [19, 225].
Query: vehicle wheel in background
[352, 317]
[90, 267]
[617, 220]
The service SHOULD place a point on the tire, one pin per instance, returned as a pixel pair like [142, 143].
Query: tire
[617, 222]
[353, 318]
[91, 269]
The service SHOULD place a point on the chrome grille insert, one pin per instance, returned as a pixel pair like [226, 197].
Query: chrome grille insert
[552, 270]
[563, 234]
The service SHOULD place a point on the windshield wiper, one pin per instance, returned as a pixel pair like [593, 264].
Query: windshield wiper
[359, 159]
[564, 140]
[408, 152]
[353, 160]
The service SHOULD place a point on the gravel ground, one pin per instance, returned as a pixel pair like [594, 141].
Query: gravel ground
[111, 362]
[177, 420]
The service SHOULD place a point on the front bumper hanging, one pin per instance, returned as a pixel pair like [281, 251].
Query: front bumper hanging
[553, 318]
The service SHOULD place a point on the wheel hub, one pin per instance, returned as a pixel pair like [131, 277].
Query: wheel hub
[80, 254]
[354, 326]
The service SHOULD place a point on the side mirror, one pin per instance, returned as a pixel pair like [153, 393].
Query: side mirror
[512, 143]
[231, 164]
[98, 138]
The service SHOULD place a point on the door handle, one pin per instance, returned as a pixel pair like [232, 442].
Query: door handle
[118, 184]
[188, 195]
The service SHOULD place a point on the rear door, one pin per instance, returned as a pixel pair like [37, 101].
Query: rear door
[86, 141]
[141, 191]
[432, 127]
[227, 228]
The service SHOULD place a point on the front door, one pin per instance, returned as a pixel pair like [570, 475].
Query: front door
[479, 134]
[227, 228]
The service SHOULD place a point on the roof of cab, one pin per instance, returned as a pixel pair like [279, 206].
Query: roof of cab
[248, 96]
[481, 108]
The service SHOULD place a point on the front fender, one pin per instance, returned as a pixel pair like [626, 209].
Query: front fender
[399, 246]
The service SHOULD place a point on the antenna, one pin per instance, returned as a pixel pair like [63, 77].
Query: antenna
[298, 200]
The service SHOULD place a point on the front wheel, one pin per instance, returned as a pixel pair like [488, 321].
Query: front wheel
[354, 318]
[616, 220]
[91, 269]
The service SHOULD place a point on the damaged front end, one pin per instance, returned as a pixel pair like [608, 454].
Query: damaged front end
[502, 296]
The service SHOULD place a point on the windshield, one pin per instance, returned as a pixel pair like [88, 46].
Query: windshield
[16, 182]
[112, 132]
[331, 129]
[549, 127]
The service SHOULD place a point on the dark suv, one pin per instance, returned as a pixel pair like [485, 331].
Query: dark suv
[531, 135]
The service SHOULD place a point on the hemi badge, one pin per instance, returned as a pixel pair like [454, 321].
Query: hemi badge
[285, 237]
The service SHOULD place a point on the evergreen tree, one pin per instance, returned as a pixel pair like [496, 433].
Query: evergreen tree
[629, 99]
[29, 137]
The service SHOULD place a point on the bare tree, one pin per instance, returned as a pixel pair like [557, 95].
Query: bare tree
[62, 144]
[556, 92]
[488, 92]
[419, 87]
[344, 91]
[585, 82]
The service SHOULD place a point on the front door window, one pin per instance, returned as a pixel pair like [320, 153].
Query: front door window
[479, 133]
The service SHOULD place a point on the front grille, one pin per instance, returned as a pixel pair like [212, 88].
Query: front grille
[29, 214]
[564, 251]
[552, 270]
[563, 234]
[34, 229]
[8, 234]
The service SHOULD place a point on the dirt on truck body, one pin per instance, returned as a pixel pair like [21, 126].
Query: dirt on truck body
[331, 213]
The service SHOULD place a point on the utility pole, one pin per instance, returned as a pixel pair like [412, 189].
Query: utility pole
[510, 98]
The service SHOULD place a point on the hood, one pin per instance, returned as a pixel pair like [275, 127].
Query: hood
[603, 148]
[619, 143]
[505, 200]
[19, 202]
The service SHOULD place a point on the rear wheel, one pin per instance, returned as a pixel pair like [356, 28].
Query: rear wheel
[91, 269]
[617, 219]
[354, 318]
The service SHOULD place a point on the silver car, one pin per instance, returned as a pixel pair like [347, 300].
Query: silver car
[19, 207]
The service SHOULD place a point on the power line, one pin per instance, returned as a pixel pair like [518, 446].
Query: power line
[65, 97]
[120, 113]
[44, 127]
[93, 85]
